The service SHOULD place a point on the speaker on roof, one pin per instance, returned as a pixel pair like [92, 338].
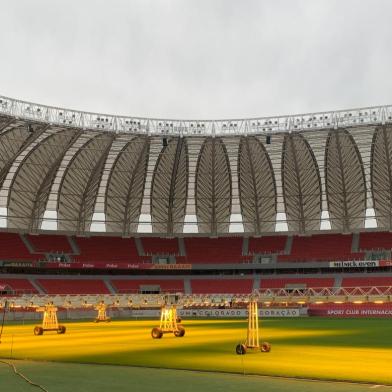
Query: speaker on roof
[164, 142]
[268, 139]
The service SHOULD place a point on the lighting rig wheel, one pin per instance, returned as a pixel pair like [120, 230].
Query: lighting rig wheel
[96, 321]
[108, 320]
[156, 333]
[61, 329]
[38, 331]
[265, 347]
[180, 332]
[178, 319]
[240, 349]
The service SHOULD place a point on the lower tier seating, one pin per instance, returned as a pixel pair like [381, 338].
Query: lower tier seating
[139, 285]
[368, 281]
[19, 285]
[73, 286]
[229, 286]
[296, 283]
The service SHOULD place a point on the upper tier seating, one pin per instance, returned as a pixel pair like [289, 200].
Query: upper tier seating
[134, 286]
[107, 250]
[160, 246]
[375, 241]
[50, 243]
[222, 285]
[214, 250]
[13, 248]
[322, 247]
[73, 286]
[268, 244]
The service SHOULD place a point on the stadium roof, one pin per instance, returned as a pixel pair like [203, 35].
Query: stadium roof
[298, 122]
[82, 172]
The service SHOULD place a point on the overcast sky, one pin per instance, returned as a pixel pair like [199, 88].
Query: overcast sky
[197, 58]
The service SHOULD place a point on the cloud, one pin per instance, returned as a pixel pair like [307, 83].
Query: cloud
[197, 58]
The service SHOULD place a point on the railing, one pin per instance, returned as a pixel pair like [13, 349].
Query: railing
[374, 115]
[268, 296]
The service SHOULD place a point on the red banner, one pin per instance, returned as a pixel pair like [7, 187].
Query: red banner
[142, 266]
[351, 310]
[385, 263]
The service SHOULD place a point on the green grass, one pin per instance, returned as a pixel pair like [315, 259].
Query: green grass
[330, 349]
[60, 377]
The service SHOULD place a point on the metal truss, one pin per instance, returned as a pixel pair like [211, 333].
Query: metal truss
[300, 295]
[269, 297]
[375, 115]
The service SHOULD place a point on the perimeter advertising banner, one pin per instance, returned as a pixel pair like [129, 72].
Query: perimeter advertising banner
[360, 264]
[243, 313]
[351, 310]
[141, 266]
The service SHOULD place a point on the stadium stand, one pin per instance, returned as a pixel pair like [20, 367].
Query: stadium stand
[198, 250]
[160, 246]
[375, 241]
[19, 285]
[13, 248]
[135, 286]
[368, 281]
[267, 245]
[50, 243]
[73, 286]
[106, 250]
[322, 247]
[214, 250]
[296, 282]
[229, 286]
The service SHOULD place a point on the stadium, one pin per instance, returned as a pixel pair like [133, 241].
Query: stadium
[293, 213]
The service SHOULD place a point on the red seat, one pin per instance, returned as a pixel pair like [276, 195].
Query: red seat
[19, 285]
[133, 286]
[217, 286]
[73, 286]
[13, 248]
[50, 243]
[375, 241]
[214, 250]
[321, 247]
[368, 281]
[268, 244]
[307, 282]
[160, 246]
[107, 250]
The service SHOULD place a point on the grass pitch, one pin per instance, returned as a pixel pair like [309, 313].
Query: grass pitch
[330, 349]
[61, 377]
